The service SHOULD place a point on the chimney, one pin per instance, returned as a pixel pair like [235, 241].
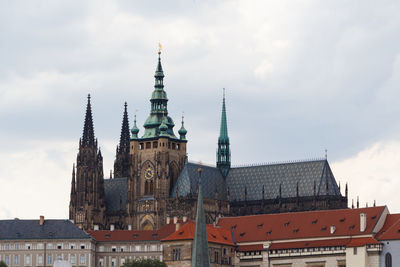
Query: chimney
[129, 227]
[168, 220]
[41, 221]
[112, 227]
[363, 222]
[184, 219]
[175, 219]
[177, 226]
[333, 229]
[96, 227]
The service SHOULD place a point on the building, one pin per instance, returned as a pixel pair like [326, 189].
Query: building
[389, 236]
[153, 178]
[115, 247]
[42, 242]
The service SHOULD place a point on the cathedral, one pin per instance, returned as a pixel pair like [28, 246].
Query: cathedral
[153, 179]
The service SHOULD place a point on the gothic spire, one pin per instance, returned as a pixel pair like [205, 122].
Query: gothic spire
[73, 190]
[200, 256]
[223, 154]
[88, 132]
[125, 135]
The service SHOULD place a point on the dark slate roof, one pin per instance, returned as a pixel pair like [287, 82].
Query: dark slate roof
[211, 178]
[31, 229]
[115, 191]
[285, 174]
[254, 177]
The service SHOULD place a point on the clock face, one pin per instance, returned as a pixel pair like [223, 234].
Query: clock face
[148, 174]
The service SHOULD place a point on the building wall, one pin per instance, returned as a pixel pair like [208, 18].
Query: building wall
[110, 254]
[45, 252]
[392, 247]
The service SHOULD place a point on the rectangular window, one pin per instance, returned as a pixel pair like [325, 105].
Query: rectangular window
[7, 260]
[123, 248]
[216, 257]
[155, 144]
[73, 259]
[72, 246]
[28, 259]
[101, 248]
[16, 260]
[7, 247]
[137, 248]
[113, 262]
[101, 262]
[40, 259]
[113, 248]
[148, 145]
[49, 259]
[39, 246]
[27, 246]
[176, 254]
[122, 262]
[16, 246]
[355, 251]
[59, 246]
[82, 259]
[49, 246]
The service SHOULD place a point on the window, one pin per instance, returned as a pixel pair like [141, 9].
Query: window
[388, 260]
[7, 247]
[7, 260]
[148, 145]
[28, 259]
[354, 251]
[16, 260]
[40, 259]
[216, 257]
[72, 246]
[82, 259]
[176, 253]
[39, 246]
[122, 262]
[82, 246]
[73, 259]
[50, 246]
[59, 246]
[101, 248]
[123, 249]
[28, 246]
[49, 259]
[16, 246]
[113, 262]
[101, 262]
[137, 248]
[113, 248]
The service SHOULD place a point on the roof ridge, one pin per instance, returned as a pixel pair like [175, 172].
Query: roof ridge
[278, 162]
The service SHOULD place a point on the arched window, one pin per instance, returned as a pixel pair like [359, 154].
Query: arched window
[388, 260]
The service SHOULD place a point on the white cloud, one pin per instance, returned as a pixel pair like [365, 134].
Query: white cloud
[372, 174]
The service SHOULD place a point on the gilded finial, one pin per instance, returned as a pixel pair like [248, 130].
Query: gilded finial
[135, 113]
[159, 48]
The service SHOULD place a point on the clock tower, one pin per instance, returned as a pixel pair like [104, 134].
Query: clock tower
[156, 161]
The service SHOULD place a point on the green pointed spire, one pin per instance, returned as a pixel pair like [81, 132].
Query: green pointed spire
[182, 131]
[159, 108]
[200, 256]
[223, 153]
[134, 130]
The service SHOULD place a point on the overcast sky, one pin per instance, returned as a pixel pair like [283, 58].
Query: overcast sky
[300, 77]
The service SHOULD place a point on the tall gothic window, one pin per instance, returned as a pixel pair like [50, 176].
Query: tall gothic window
[388, 260]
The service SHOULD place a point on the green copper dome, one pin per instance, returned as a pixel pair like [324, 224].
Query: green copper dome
[182, 131]
[134, 130]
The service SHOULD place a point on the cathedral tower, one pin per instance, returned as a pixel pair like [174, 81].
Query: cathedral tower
[87, 187]
[122, 158]
[223, 152]
[156, 161]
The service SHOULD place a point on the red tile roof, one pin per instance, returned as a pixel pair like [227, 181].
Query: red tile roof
[391, 228]
[133, 235]
[214, 234]
[359, 242]
[257, 247]
[297, 225]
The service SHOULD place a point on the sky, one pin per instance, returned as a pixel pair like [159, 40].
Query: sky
[301, 77]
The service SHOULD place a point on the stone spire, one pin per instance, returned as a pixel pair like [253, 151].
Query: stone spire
[223, 153]
[200, 256]
[121, 163]
[88, 132]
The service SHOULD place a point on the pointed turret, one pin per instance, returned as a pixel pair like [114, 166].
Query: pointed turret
[182, 131]
[73, 189]
[223, 153]
[134, 130]
[121, 163]
[88, 131]
[200, 256]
